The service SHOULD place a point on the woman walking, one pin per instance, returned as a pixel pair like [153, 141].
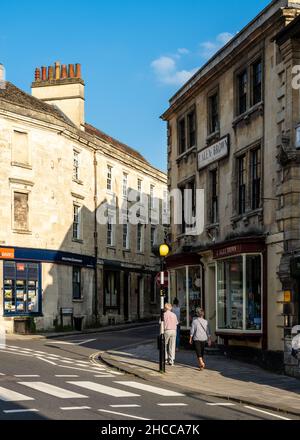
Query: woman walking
[200, 334]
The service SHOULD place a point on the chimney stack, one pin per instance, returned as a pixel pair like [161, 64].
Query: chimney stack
[62, 86]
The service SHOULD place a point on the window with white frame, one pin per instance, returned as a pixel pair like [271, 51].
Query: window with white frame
[110, 231]
[126, 236]
[153, 238]
[140, 237]
[75, 165]
[139, 189]
[76, 222]
[125, 185]
[152, 201]
[109, 178]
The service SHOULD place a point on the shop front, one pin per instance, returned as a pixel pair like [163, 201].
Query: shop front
[186, 280]
[241, 297]
[26, 296]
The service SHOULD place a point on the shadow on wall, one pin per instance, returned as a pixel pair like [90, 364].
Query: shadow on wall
[122, 294]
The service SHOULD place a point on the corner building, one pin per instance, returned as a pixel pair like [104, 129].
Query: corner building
[233, 130]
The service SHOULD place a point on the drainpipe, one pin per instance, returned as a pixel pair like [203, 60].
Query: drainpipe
[203, 284]
[96, 236]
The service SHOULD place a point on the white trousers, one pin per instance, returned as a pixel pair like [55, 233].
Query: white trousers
[170, 341]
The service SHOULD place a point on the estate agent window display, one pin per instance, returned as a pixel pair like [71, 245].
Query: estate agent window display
[239, 294]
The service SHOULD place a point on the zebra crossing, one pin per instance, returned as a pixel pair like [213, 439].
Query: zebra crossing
[76, 390]
[77, 365]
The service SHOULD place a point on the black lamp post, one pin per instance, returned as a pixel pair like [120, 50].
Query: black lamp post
[163, 252]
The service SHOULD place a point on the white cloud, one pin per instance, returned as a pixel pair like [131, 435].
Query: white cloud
[183, 51]
[167, 72]
[209, 48]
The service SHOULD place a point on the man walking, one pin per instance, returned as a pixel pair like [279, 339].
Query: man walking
[170, 322]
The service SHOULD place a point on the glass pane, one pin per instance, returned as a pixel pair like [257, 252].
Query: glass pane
[253, 293]
[230, 294]
[195, 283]
[181, 294]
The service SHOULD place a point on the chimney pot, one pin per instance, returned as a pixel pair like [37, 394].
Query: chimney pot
[57, 70]
[37, 74]
[44, 73]
[64, 71]
[50, 73]
[71, 71]
[78, 70]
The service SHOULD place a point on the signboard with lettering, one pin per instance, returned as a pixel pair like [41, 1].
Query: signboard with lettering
[7, 254]
[214, 153]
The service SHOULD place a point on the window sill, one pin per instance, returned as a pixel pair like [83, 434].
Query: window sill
[21, 165]
[127, 251]
[77, 240]
[22, 232]
[78, 301]
[79, 182]
[246, 117]
[239, 334]
[212, 226]
[140, 253]
[247, 215]
[112, 248]
[184, 156]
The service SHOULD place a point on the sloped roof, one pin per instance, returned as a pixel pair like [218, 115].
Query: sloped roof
[14, 95]
[114, 142]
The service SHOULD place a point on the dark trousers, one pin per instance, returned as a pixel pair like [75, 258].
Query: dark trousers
[200, 347]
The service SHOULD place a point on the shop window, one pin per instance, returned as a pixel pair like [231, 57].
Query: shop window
[76, 283]
[253, 293]
[111, 287]
[20, 148]
[188, 293]
[21, 288]
[239, 293]
[21, 211]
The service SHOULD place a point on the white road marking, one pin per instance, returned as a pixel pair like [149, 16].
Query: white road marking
[115, 372]
[266, 412]
[27, 375]
[220, 404]
[66, 362]
[104, 375]
[53, 390]
[76, 342]
[66, 375]
[125, 406]
[1, 374]
[150, 389]
[76, 408]
[46, 360]
[114, 392]
[12, 396]
[19, 411]
[121, 414]
[172, 404]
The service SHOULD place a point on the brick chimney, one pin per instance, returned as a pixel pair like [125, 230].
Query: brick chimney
[61, 86]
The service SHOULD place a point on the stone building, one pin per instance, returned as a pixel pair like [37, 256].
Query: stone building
[57, 260]
[233, 130]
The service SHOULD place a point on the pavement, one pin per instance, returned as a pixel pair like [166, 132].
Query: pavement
[223, 378]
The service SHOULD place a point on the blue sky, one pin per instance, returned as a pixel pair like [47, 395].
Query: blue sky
[134, 54]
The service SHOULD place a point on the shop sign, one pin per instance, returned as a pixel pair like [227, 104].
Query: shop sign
[228, 251]
[7, 254]
[214, 153]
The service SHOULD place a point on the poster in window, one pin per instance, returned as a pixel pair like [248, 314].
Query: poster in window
[32, 283]
[8, 282]
[8, 294]
[8, 306]
[20, 307]
[21, 283]
[20, 295]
